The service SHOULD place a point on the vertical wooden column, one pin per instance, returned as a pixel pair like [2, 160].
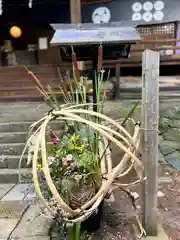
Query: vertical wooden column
[150, 115]
[75, 11]
[118, 75]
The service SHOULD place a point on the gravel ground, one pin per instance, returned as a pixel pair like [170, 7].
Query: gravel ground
[119, 215]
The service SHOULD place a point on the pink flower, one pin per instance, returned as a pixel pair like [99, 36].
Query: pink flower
[65, 162]
[54, 138]
[73, 166]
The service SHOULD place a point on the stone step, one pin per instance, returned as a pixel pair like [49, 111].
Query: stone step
[7, 149]
[8, 137]
[15, 126]
[12, 127]
[11, 149]
[12, 162]
[12, 175]
[16, 137]
[26, 111]
[25, 115]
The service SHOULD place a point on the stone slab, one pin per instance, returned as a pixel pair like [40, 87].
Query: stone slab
[18, 193]
[4, 188]
[32, 238]
[174, 160]
[161, 234]
[12, 209]
[32, 224]
[14, 203]
[161, 158]
[173, 134]
[8, 225]
[168, 147]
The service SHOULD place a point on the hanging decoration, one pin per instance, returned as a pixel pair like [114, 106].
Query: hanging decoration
[1, 9]
[15, 31]
[30, 4]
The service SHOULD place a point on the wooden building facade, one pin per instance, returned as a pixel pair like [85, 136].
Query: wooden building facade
[160, 31]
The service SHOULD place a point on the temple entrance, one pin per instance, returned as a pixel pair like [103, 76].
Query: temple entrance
[24, 44]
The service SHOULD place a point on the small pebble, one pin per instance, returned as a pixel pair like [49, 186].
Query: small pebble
[160, 194]
[135, 195]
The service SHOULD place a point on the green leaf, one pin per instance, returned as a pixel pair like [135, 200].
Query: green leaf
[130, 113]
[53, 95]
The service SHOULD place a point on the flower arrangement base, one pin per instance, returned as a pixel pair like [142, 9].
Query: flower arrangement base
[93, 223]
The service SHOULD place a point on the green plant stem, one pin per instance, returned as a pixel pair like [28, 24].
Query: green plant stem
[130, 113]
[77, 231]
[70, 230]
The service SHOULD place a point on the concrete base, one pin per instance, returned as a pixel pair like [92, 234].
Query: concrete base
[161, 234]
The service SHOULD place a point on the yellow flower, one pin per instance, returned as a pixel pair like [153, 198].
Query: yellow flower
[78, 148]
[39, 168]
[81, 148]
[73, 146]
[74, 138]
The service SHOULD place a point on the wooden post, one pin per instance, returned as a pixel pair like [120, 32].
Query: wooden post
[75, 11]
[150, 114]
[118, 74]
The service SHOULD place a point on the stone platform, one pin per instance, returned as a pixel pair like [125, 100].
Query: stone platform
[19, 219]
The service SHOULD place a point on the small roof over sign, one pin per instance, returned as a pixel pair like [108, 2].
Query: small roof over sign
[79, 34]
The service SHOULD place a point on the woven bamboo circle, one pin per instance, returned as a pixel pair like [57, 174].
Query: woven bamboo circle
[110, 131]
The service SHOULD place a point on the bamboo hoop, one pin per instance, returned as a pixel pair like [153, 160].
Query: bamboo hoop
[110, 131]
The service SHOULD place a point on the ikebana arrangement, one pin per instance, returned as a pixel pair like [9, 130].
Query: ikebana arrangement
[73, 171]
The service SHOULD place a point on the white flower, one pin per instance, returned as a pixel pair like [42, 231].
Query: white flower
[51, 160]
[69, 157]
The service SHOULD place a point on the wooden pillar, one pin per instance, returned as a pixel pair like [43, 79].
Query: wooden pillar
[118, 75]
[75, 11]
[150, 116]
